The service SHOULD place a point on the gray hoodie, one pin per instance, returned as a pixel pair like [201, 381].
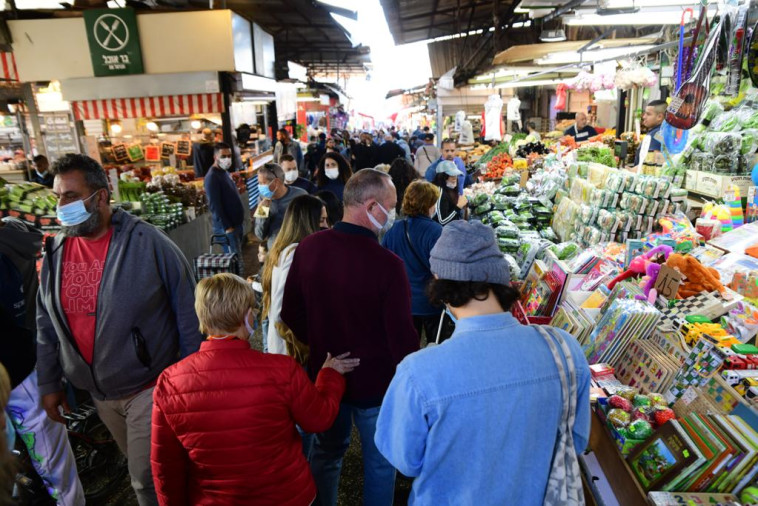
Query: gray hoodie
[145, 310]
[21, 243]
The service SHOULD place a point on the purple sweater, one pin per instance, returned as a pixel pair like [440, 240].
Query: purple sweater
[344, 292]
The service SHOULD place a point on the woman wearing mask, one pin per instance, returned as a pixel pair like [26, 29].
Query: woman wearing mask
[412, 239]
[450, 205]
[333, 173]
[223, 427]
[402, 174]
[305, 215]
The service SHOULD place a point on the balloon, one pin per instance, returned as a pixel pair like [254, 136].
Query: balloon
[674, 138]
[755, 174]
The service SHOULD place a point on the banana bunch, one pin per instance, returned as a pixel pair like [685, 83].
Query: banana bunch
[28, 198]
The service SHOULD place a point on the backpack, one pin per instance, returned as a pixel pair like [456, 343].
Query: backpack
[18, 349]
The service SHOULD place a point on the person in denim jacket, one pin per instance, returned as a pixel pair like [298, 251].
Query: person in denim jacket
[475, 419]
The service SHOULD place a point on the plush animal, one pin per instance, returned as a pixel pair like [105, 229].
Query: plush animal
[698, 278]
[653, 269]
[638, 266]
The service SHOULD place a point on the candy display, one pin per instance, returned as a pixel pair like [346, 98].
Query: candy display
[619, 418]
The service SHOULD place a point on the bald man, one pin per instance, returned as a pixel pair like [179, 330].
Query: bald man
[652, 119]
[580, 130]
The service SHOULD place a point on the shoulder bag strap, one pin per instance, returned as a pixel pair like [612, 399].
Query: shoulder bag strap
[413, 249]
[568, 377]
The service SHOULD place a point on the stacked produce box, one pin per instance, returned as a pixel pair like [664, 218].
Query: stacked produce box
[31, 202]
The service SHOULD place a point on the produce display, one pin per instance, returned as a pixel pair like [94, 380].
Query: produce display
[158, 209]
[31, 198]
[598, 153]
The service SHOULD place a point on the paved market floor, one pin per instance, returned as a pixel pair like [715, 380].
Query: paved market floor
[351, 484]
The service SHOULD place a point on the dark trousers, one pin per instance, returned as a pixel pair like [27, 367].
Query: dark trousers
[429, 325]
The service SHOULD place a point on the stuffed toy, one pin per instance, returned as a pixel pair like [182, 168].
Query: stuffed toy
[638, 266]
[698, 278]
[653, 269]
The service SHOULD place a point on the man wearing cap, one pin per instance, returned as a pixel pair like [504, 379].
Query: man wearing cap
[448, 153]
[450, 204]
[202, 154]
[493, 389]
[426, 154]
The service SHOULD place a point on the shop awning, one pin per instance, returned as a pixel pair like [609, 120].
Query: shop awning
[9, 66]
[148, 107]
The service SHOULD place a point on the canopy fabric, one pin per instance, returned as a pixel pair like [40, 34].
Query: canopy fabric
[148, 107]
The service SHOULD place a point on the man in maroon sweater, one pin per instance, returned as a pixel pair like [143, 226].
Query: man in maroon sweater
[344, 292]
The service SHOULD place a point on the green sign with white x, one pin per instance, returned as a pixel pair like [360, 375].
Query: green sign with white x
[113, 41]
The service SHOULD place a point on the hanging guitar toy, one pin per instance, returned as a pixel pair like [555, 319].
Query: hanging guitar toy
[752, 56]
[736, 53]
[687, 104]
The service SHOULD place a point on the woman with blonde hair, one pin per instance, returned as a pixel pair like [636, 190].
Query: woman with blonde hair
[305, 215]
[223, 427]
[412, 239]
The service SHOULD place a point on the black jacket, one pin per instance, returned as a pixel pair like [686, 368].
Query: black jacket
[389, 152]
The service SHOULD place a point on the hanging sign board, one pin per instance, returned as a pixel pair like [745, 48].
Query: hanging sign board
[113, 41]
[168, 149]
[183, 148]
[120, 153]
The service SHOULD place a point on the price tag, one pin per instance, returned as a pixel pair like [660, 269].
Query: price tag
[167, 149]
[667, 284]
[183, 148]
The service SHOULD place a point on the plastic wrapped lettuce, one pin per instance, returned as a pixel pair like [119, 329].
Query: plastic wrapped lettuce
[749, 142]
[723, 143]
[726, 122]
[712, 110]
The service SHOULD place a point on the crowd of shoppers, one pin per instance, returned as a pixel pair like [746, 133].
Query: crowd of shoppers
[205, 419]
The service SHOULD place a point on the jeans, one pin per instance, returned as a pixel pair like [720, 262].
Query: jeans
[47, 443]
[129, 422]
[235, 242]
[330, 447]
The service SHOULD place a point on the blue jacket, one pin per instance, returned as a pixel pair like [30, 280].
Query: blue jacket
[223, 199]
[464, 181]
[424, 233]
[335, 186]
[475, 419]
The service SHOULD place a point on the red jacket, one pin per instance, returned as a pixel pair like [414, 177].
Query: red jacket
[224, 427]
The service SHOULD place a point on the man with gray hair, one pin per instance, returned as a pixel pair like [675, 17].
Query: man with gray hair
[276, 196]
[366, 311]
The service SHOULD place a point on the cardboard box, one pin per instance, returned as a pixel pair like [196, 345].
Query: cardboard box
[715, 185]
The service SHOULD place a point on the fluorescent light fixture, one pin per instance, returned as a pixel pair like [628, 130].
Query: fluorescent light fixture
[308, 99]
[514, 72]
[647, 17]
[41, 4]
[626, 4]
[553, 35]
[564, 57]
[526, 84]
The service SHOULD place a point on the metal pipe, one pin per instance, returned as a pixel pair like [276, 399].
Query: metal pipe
[561, 10]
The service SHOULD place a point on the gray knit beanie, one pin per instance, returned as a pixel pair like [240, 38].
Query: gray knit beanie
[469, 252]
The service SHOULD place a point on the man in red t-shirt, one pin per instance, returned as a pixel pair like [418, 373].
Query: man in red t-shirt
[116, 307]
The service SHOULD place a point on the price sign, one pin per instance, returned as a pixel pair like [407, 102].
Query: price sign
[135, 152]
[183, 148]
[667, 284]
[168, 149]
[152, 153]
[120, 153]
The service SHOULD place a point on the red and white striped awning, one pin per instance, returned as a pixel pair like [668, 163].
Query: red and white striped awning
[148, 107]
[10, 73]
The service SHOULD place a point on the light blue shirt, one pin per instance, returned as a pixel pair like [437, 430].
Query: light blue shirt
[475, 419]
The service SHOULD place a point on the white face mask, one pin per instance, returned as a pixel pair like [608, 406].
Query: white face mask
[452, 186]
[387, 224]
[290, 176]
[332, 173]
[224, 163]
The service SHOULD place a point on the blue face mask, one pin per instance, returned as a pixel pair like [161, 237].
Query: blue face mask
[450, 314]
[250, 328]
[265, 191]
[74, 213]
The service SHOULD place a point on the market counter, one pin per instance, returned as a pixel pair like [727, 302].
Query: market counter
[619, 475]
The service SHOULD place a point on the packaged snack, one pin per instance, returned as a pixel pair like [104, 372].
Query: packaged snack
[662, 416]
[642, 400]
[618, 402]
[640, 429]
[619, 418]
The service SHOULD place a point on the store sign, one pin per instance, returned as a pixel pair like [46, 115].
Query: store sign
[113, 41]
